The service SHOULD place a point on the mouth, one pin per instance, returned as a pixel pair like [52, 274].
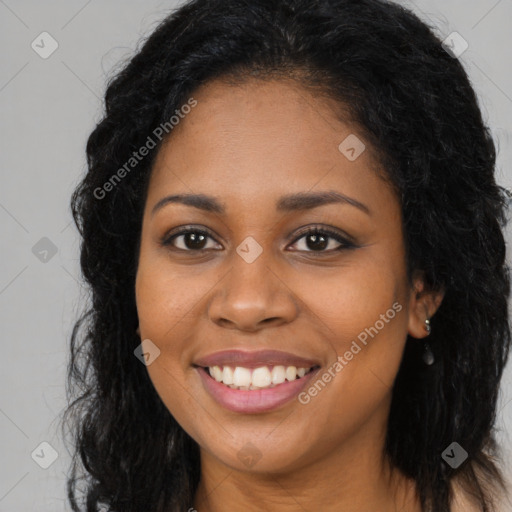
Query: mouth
[254, 382]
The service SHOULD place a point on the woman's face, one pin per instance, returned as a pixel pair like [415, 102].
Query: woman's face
[257, 298]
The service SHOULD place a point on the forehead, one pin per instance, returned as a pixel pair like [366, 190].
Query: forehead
[262, 139]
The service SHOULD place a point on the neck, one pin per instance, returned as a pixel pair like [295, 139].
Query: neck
[355, 478]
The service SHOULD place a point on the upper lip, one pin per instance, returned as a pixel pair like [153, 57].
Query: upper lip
[255, 359]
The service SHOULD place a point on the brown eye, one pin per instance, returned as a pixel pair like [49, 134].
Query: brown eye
[191, 239]
[318, 239]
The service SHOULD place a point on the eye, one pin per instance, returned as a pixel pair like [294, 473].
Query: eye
[190, 239]
[317, 239]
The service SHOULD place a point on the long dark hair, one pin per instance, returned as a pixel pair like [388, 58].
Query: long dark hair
[416, 106]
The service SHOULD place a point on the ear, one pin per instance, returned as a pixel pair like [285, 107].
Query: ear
[137, 330]
[423, 304]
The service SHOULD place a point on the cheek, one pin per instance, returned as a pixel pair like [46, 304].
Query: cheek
[165, 306]
[167, 295]
[362, 311]
[351, 298]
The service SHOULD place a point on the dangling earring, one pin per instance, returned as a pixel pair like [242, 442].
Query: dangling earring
[428, 355]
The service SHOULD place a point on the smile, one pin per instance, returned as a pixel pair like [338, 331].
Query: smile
[254, 381]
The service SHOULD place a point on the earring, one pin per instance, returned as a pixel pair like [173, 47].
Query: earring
[428, 355]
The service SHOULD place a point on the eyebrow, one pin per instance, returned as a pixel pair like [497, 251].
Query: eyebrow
[288, 203]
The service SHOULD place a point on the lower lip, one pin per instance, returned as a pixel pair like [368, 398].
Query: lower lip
[256, 400]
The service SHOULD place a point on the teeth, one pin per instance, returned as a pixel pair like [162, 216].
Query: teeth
[291, 373]
[261, 377]
[278, 374]
[257, 378]
[227, 376]
[217, 373]
[242, 377]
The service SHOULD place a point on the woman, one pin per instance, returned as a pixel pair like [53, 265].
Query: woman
[293, 237]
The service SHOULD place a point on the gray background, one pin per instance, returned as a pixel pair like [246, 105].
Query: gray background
[48, 107]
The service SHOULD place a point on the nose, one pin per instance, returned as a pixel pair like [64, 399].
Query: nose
[252, 296]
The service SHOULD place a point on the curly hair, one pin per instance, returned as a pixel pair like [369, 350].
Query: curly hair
[415, 105]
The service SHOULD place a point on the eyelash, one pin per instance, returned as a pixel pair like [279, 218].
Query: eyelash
[345, 243]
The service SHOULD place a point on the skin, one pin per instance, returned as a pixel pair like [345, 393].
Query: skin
[248, 145]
